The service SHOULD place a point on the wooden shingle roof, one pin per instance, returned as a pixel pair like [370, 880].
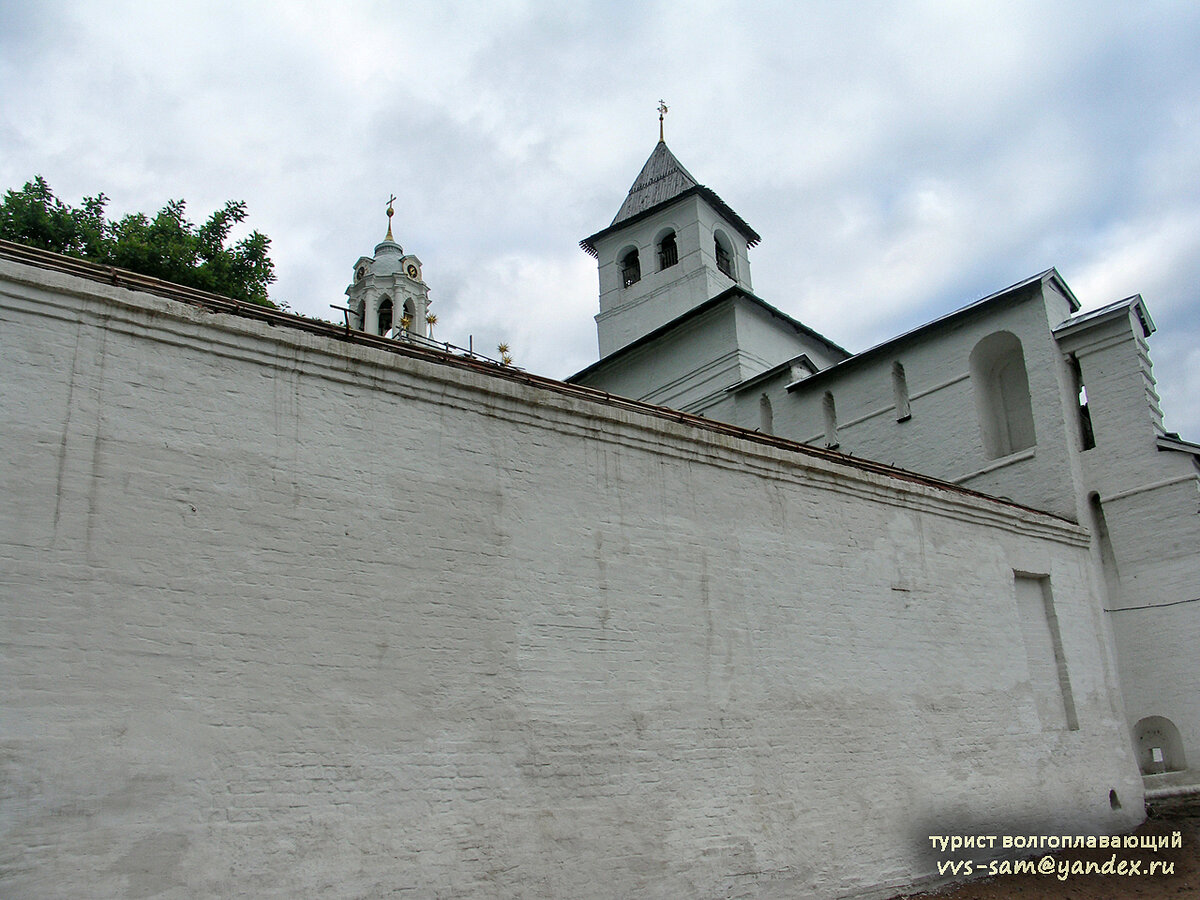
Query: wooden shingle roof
[663, 180]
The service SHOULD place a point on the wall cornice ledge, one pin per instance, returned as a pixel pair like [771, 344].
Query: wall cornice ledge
[505, 393]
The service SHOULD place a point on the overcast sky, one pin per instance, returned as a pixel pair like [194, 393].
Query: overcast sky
[899, 159]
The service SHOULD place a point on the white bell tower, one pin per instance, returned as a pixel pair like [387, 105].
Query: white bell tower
[672, 245]
[387, 295]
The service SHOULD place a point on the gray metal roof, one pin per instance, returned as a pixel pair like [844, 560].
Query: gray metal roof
[1050, 276]
[1120, 307]
[1173, 441]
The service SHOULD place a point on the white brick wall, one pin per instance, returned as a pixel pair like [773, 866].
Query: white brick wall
[943, 436]
[1150, 498]
[1151, 505]
[285, 616]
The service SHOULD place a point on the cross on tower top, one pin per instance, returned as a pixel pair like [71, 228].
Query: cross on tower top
[662, 111]
[390, 212]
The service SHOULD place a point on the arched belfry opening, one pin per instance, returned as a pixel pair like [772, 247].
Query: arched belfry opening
[724, 254]
[384, 319]
[631, 267]
[668, 251]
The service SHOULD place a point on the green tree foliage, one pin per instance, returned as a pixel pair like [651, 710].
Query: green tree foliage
[167, 246]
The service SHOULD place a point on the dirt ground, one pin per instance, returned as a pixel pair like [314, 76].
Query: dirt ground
[1164, 820]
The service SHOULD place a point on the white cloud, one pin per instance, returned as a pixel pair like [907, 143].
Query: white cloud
[1143, 256]
[899, 160]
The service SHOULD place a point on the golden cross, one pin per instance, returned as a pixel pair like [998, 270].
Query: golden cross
[390, 212]
[662, 111]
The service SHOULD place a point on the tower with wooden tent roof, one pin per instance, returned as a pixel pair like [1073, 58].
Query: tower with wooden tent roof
[672, 245]
[679, 325]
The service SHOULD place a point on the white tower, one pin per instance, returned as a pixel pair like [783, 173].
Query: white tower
[387, 295]
[672, 245]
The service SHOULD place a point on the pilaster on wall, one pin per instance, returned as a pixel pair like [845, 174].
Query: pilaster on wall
[1144, 505]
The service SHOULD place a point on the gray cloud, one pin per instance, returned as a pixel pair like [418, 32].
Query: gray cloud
[899, 160]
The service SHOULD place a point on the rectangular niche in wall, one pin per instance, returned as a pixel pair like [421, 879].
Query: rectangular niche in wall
[1043, 648]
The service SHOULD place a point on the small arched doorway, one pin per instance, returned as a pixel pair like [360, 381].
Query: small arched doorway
[1159, 746]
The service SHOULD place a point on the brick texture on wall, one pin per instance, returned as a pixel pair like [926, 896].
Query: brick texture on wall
[285, 616]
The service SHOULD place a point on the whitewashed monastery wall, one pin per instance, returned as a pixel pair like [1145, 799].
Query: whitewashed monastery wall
[1149, 497]
[286, 616]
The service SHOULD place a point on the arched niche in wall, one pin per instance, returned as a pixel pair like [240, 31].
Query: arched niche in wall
[829, 412]
[766, 415]
[1159, 746]
[900, 392]
[1001, 386]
